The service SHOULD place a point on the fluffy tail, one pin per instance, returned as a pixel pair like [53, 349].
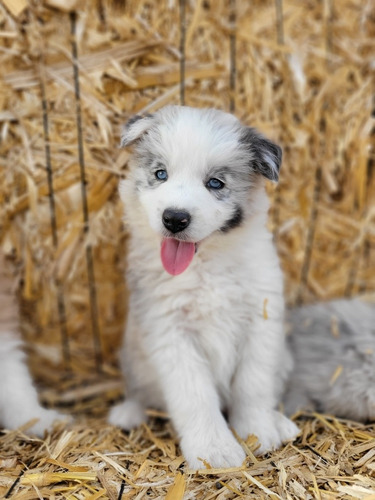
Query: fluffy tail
[333, 345]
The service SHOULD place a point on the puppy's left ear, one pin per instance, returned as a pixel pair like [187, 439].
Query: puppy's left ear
[135, 128]
[265, 155]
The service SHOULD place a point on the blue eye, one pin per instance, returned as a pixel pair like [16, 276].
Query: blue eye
[215, 184]
[161, 175]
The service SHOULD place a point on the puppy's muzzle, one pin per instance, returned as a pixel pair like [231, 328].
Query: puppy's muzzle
[176, 220]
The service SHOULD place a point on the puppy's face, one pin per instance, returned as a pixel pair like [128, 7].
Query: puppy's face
[194, 172]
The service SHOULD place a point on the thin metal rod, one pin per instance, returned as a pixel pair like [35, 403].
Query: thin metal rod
[318, 174]
[77, 90]
[182, 50]
[85, 210]
[365, 257]
[51, 194]
[370, 171]
[232, 49]
[47, 149]
[310, 236]
[328, 20]
[361, 259]
[9, 493]
[353, 271]
[122, 488]
[279, 21]
[280, 41]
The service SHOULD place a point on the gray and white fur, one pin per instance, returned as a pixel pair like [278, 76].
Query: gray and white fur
[197, 342]
[333, 346]
[201, 267]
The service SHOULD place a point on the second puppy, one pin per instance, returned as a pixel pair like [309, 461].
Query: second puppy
[18, 397]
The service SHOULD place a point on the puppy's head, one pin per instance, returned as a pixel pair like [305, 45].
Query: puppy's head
[195, 172]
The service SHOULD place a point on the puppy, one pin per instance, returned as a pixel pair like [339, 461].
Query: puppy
[333, 345]
[205, 327]
[18, 397]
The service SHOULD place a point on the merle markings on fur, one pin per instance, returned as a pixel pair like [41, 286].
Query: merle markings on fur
[201, 262]
[323, 338]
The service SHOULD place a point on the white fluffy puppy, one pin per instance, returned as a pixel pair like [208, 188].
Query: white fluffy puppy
[201, 267]
[18, 397]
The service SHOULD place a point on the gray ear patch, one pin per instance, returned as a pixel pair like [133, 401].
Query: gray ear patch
[132, 120]
[134, 128]
[266, 156]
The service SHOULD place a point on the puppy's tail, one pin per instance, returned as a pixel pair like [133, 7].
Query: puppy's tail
[333, 346]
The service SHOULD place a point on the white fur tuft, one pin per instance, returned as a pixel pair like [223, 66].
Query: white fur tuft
[18, 397]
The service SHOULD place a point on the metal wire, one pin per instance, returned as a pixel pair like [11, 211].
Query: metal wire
[362, 256]
[122, 488]
[182, 51]
[279, 21]
[310, 236]
[86, 222]
[9, 493]
[51, 194]
[280, 41]
[318, 173]
[232, 52]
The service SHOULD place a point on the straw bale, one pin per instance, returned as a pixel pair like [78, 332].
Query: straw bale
[66, 5]
[308, 83]
[332, 459]
[15, 7]
[311, 91]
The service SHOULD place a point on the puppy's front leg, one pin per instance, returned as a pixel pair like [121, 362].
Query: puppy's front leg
[256, 384]
[193, 404]
[18, 397]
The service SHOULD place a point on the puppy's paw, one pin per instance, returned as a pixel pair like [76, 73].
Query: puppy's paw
[13, 419]
[46, 419]
[127, 415]
[271, 427]
[288, 430]
[218, 451]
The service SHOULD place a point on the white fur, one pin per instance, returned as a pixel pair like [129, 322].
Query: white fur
[199, 343]
[18, 397]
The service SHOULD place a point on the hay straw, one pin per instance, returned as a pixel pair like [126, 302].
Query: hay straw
[15, 7]
[304, 78]
[332, 459]
[130, 64]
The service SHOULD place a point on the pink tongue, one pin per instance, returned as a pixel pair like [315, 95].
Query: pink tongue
[176, 255]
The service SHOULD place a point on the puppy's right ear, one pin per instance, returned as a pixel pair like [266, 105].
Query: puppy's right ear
[135, 128]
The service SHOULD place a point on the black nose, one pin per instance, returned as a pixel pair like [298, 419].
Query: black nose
[176, 220]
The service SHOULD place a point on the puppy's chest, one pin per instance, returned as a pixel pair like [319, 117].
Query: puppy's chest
[217, 313]
[212, 303]
[220, 303]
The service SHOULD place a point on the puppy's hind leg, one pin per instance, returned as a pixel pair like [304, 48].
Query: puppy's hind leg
[127, 415]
